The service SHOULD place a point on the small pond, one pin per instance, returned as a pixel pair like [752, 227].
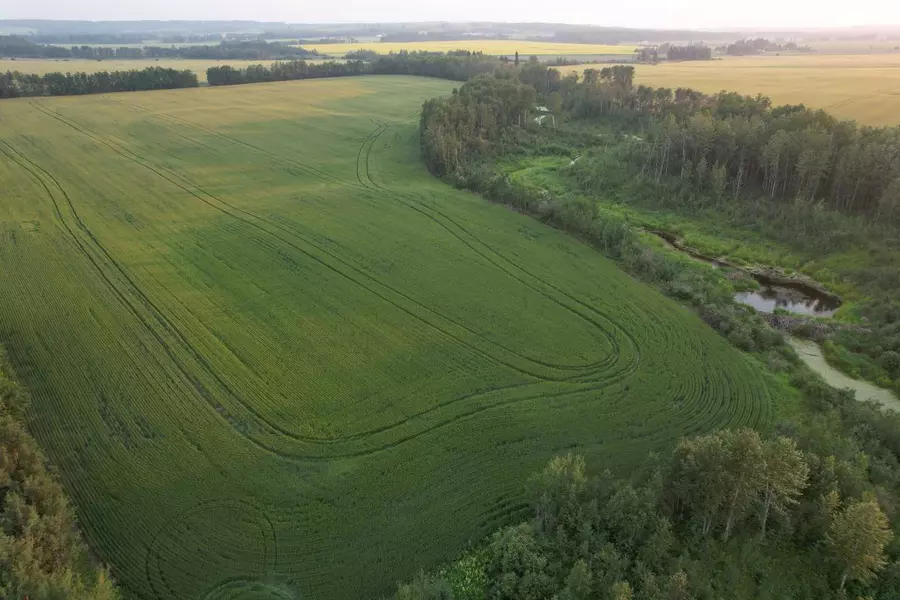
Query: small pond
[792, 296]
[801, 299]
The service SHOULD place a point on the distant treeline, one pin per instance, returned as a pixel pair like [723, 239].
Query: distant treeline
[651, 54]
[693, 52]
[17, 47]
[42, 555]
[617, 35]
[758, 45]
[439, 36]
[14, 84]
[456, 66]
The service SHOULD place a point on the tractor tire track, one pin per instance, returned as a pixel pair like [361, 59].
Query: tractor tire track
[273, 426]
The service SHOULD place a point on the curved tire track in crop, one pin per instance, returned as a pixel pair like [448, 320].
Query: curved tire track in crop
[588, 373]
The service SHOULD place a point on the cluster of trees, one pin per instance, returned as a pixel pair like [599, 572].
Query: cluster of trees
[647, 54]
[366, 55]
[42, 555]
[728, 514]
[14, 84]
[17, 47]
[457, 66]
[786, 152]
[651, 54]
[758, 45]
[692, 52]
[455, 128]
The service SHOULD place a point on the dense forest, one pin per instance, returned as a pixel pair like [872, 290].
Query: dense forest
[457, 66]
[14, 84]
[784, 152]
[42, 555]
[17, 47]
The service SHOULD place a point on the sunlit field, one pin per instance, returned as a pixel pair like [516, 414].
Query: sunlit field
[496, 47]
[863, 87]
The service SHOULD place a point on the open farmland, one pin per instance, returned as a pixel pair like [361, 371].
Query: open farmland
[862, 87]
[495, 47]
[75, 65]
[266, 347]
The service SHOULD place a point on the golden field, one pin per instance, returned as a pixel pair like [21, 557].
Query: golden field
[863, 87]
[497, 47]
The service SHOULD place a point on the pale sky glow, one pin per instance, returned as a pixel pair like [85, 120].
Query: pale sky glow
[694, 14]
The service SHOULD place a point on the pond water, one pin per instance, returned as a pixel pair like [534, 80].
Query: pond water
[811, 354]
[796, 298]
[792, 296]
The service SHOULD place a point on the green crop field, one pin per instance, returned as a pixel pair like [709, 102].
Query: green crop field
[269, 352]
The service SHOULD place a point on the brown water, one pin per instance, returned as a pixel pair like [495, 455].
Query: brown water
[792, 296]
[811, 354]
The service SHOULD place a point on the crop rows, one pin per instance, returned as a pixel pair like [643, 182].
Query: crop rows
[273, 347]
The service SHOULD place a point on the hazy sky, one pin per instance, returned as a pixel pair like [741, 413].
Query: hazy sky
[641, 13]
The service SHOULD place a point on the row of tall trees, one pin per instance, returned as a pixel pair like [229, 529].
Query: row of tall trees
[786, 152]
[453, 128]
[14, 84]
[42, 555]
[457, 66]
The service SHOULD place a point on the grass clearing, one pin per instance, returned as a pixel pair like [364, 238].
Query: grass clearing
[495, 47]
[264, 343]
[862, 87]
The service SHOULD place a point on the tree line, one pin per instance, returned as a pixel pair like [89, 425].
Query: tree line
[457, 66]
[42, 554]
[758, 45]
[692, 52]
[14, 84]
[17, 47]
[785, 152]
[727, 514]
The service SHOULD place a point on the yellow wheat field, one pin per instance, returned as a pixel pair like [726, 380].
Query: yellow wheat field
[863, 87]
[496, 47]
